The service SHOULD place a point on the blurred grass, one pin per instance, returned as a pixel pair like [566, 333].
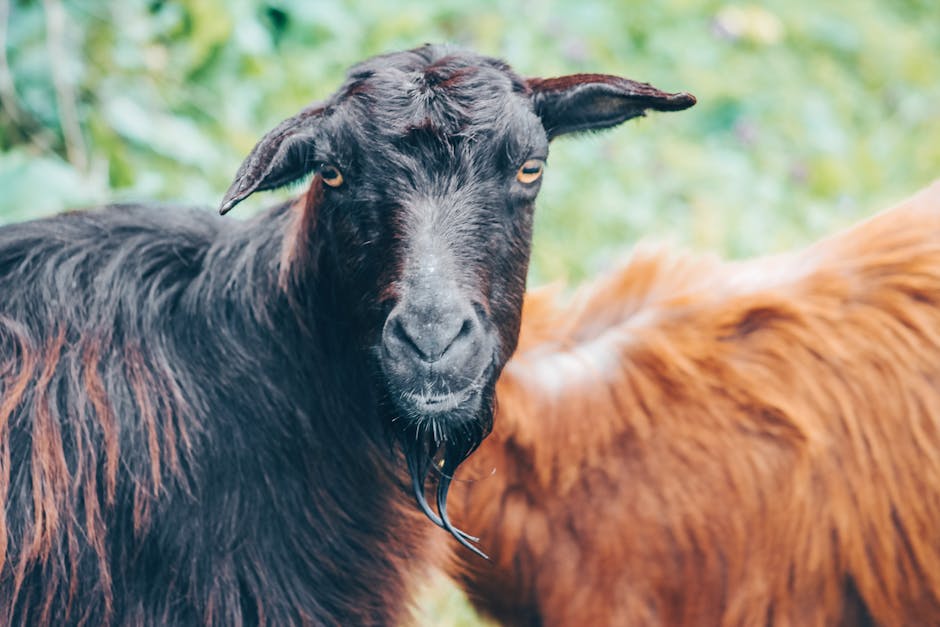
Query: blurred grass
[441, 604]
[811, 112]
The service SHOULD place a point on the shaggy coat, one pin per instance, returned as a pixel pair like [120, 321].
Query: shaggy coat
[696, 443]
[156, 464]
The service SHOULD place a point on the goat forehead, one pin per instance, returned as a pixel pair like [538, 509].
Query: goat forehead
[451, 101]
[448, 153]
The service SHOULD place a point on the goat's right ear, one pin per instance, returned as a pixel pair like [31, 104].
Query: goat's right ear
[283, 155]
[586, 102]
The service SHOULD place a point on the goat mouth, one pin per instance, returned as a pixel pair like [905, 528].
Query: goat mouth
[430, 403]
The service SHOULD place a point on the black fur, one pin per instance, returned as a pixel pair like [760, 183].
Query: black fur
[198, 423]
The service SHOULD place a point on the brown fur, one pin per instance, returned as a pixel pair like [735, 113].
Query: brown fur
[691, 442]
[297, 252]
[29, 370]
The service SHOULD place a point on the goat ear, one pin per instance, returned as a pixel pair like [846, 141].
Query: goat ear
[584, 102]
[283, 155]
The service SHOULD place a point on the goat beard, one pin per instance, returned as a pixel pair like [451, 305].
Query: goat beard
[442, 442]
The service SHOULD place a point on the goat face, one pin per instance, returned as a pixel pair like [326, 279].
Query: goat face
[427, 165]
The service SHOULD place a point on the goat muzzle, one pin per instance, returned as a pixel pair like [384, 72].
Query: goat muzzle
[435, 350]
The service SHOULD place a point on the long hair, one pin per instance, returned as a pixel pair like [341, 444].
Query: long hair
[167, 455]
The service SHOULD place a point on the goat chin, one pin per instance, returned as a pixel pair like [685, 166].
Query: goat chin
[696, 442]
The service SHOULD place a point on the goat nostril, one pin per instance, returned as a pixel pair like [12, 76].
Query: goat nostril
[465, 330]
[401, 333]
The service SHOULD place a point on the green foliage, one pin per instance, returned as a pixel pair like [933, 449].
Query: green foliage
[810, 113]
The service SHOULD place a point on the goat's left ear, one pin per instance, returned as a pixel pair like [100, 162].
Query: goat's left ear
[584, 102]
[282, 156]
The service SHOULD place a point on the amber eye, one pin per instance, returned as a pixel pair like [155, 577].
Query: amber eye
[530, 171]
[331, 175]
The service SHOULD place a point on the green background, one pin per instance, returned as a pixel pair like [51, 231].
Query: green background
[811, 113]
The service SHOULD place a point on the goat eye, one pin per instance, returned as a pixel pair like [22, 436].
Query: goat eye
[331, 175]
[530, 171]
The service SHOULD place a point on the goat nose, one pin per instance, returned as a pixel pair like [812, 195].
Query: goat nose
[428, 338]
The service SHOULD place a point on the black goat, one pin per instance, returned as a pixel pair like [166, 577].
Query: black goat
[198, 417]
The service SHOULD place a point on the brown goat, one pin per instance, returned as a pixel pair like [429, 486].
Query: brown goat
[692, 442]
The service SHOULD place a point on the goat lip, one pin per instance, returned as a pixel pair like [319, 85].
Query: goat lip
[438, 403]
